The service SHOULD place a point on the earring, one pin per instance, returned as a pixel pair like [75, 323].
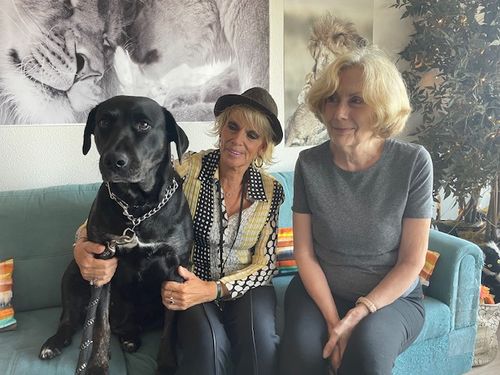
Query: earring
[258, 162]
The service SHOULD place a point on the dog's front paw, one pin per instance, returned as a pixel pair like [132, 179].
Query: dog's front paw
[48, 352]
[130, 344]
[51, 348]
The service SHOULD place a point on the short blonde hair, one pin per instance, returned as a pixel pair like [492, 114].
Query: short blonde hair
[258, 122]
[383, 88]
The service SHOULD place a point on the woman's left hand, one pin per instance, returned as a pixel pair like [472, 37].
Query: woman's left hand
[340, 334]
[193, 291]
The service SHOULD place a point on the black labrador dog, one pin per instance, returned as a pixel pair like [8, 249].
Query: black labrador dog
[141, 213]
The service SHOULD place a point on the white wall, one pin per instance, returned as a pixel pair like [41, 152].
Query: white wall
[39, 156]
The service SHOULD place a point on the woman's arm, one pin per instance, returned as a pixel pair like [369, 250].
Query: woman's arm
[317, 287]
[411, 259]
[311, 274]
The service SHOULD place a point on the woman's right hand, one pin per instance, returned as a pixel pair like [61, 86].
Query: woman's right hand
[97, 271]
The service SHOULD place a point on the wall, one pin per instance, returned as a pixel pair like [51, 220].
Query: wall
[39, 156]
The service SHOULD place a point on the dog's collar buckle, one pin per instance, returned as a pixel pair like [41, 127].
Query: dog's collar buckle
[128, 239]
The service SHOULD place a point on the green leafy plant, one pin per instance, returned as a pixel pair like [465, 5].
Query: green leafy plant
[453, 81]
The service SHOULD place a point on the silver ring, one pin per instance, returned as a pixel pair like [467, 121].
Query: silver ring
[91, 282]
[171, 299]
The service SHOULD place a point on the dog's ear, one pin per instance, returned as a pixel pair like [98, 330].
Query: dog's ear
[175, 134]
[89, 129]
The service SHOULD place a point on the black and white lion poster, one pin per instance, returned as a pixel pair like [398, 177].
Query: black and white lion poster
[59, 58]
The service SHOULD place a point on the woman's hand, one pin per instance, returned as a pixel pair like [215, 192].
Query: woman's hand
[97, 271]
[340, 334]
[193, 291]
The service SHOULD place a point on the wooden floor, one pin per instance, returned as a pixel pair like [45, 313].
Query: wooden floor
[492, 368]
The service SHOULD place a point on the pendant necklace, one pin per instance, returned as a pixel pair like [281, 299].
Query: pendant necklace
[221, 227]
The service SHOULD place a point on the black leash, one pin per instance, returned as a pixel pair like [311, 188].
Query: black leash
[96, 294]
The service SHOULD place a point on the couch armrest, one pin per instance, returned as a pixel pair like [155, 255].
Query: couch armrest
[457, 277]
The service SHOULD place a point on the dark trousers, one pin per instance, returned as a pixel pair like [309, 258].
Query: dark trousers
[372, 348]
[240, 337]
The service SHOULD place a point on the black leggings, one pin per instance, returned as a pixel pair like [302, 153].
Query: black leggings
[242, 336]
[372, 348]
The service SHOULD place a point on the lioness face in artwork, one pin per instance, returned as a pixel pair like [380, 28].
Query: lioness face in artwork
[55, 58]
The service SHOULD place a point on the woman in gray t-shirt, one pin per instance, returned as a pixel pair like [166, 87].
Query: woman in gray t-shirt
[362, 209]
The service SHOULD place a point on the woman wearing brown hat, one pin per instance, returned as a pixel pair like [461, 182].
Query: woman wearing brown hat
[227, 303]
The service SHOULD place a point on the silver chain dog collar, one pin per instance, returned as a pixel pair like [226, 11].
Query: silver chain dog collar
[134, 220]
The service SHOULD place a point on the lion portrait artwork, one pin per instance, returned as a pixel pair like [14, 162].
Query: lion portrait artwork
[330, 37]
[59, 58]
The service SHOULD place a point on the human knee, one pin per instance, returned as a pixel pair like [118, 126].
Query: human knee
[366, 354]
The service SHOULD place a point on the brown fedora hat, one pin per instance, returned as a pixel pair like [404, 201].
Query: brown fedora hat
[259, 99]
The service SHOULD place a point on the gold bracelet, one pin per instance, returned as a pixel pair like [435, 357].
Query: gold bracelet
[369, 304]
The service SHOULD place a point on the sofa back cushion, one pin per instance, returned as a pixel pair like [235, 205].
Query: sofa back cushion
[37, 229]
[286, 180]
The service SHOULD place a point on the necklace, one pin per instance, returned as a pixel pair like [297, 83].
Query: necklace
[221, 227]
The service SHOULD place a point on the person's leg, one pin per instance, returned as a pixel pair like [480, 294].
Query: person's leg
[380, 337]
[304, 335]
[250, 326]
[203, 344]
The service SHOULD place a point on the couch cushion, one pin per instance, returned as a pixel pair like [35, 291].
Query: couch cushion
[286, 180]
[437, 319]
[280, 284]
[19, 349]
[143, 361]
[38, 228]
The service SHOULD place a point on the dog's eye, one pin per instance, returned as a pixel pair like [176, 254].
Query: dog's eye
[103, 123]
[143, 126]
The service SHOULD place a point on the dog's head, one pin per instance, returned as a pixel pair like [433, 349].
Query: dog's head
[132, 135]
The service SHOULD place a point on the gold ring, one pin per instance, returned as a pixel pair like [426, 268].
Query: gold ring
[171, 299]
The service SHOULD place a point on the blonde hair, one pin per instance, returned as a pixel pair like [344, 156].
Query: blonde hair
[383, 88]
[258, 122]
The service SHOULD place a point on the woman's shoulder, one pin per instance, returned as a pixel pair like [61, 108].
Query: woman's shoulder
[406, 156]
[316, 152]
[401, 148]
[191, 160]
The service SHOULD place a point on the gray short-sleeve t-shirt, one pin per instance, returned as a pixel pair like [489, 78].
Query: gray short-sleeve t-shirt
[357, 216]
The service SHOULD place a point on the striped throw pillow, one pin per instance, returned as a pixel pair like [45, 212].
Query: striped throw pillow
[7, 321]
[284, 251]
[431, 259]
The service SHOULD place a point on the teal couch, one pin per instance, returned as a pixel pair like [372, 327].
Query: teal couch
[37, 229]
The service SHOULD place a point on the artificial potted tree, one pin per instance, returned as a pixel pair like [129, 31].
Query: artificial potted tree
[453, 59]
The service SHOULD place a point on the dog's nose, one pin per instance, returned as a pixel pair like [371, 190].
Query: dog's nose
[116, 161]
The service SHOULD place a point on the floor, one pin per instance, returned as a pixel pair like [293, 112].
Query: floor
[492, 368]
